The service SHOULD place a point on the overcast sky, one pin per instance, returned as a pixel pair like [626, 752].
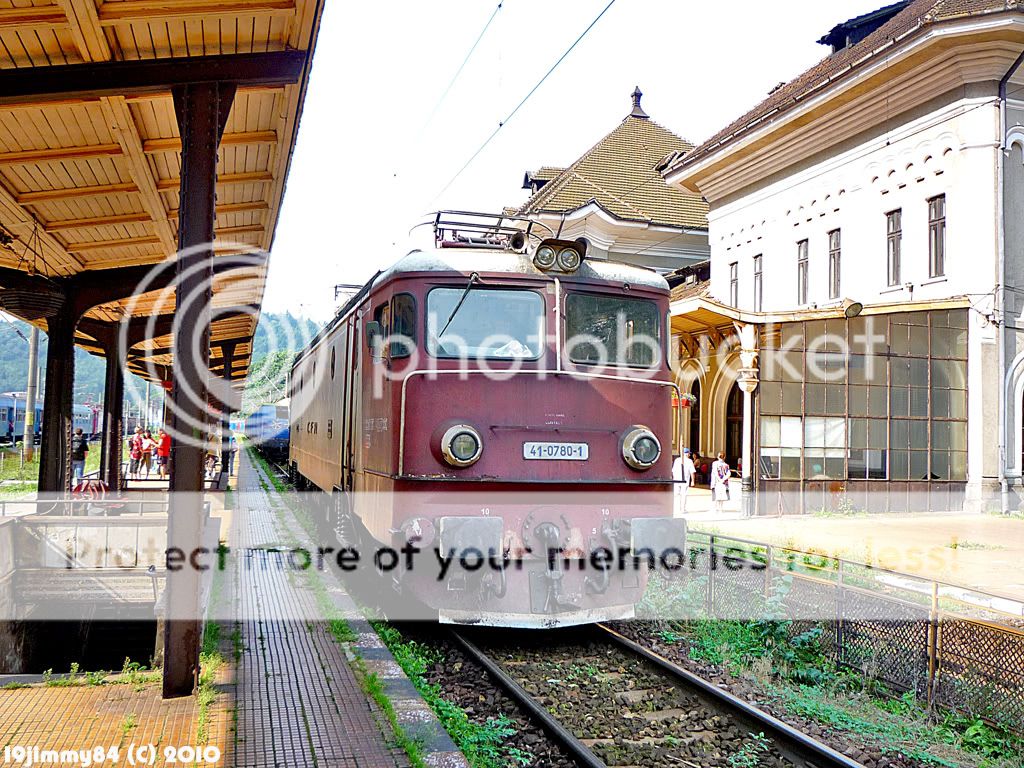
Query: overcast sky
[377, 144]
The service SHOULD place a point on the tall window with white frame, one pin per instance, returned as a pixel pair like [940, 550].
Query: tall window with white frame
[834, 253]
[758, 289]
[801, 272]
[734, 284]
[894, 243]
[937, 236]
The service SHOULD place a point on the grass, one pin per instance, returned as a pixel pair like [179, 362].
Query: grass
[129, 724]
[27, 474]
[800, 677]
[902, 726]
[955, 543]
[210, 662]
[483, 744]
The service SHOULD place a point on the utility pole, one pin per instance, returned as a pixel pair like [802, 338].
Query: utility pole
[29, 438]
[147, 419]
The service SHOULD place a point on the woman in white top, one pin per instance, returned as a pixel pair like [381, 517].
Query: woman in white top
[720, 482]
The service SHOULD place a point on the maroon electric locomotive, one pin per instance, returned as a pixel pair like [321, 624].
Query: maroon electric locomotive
[500, 405]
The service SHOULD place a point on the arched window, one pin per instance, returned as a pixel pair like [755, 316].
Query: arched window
[694, 444]
[734, 426]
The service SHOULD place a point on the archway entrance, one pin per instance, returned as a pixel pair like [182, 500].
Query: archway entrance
[734, 426]
[694, 443]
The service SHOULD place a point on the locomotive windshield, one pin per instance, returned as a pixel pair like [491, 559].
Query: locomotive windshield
[489, 324]
[613, 330]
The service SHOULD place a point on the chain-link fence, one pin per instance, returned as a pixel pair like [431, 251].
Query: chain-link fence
[957, 648]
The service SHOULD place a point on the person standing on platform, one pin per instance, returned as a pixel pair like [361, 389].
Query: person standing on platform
[720, 482]
[79, 450]
[684, 474]
[134, 453]
[148, 446]
[163, 453]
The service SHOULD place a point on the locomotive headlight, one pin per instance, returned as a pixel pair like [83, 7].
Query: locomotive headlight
[544, 258]
[569, 259]
[640, 448]
[461, 445]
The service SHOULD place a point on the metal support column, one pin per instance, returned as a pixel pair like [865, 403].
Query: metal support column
[28, 444]
[55, 458]
[227, 407]
[201, 111]
[113, 415]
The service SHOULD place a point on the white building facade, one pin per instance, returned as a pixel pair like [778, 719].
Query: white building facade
[866, 230]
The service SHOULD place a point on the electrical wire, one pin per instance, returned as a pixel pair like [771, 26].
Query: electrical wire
[525, 99]
[462, 66]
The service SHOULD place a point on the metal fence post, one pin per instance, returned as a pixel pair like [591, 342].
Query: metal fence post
[840, 593]
[933, 647]
[712, 561]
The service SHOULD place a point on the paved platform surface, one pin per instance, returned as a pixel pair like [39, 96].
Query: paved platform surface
[298, 701]
[980, 551]
[112, 716]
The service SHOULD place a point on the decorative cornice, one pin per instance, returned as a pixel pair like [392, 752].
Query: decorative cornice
[937, 62]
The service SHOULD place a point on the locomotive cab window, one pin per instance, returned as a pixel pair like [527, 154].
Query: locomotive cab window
[487, 323]
[403, 326]
[614, 330]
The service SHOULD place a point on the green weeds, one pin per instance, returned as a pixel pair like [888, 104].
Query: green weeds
[483, 744]
[749, 755]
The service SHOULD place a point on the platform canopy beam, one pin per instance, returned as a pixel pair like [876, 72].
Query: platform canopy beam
[96, 79]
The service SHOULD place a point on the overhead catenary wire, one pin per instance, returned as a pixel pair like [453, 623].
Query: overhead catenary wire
[526, 98]
[462, 66]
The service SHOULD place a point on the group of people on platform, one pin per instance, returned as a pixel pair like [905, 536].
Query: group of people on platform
[143, 447]
[144, 450]
[684, 475]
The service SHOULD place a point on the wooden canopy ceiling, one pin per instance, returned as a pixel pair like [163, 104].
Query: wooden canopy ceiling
[91, 182]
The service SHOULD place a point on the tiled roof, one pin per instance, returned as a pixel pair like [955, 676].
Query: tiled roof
[918, 15]
[545, 173]
[690, 290]
[620, 173]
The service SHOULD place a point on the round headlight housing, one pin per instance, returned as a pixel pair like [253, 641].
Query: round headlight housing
[461, 445]
[545, 257]
[641, 448]
[569, 259]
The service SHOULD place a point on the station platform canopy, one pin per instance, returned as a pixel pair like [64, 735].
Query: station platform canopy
[91, 155]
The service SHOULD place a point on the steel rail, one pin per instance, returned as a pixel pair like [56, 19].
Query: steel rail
[819, 754]
[561, 735]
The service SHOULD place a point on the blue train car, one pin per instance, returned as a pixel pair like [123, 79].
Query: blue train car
[12, 417]
[267, 428]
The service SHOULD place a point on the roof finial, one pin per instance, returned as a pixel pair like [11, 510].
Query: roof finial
[638, 111]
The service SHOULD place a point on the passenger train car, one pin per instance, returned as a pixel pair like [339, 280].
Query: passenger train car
[12, 418]
[460, 404]
[267, 427]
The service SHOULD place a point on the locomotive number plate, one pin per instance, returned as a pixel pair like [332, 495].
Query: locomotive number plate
[556, 451]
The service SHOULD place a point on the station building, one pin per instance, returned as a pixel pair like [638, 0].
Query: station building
[857, 343]
[615, 196]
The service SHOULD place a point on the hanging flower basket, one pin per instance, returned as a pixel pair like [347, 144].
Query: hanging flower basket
[37, 304]
[686, 400]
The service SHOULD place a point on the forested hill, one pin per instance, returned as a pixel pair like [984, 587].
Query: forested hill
[278, 337]
[14, 334]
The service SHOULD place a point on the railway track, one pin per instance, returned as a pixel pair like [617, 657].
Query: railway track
[610, 702]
